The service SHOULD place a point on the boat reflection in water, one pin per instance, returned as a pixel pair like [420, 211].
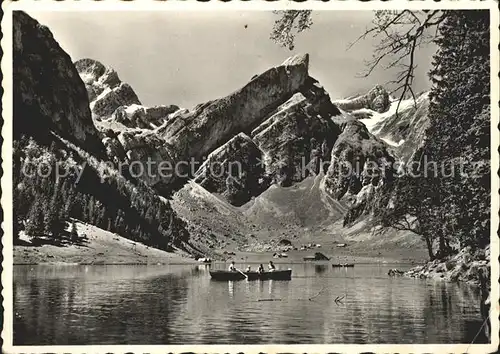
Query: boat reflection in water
[231, 288]
[320, 268]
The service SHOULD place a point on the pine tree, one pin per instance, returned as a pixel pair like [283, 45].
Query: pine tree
[70, 202]
[44, 204]
[453, 207]
[16, 227]
[35, 224]
[459, 125]
[73, 233]
[53, 221]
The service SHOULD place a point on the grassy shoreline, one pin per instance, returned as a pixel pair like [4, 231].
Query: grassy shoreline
[100, 247]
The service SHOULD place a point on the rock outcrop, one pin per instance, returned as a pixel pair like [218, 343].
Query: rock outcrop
[407, 127]
[234, 170]
[292, 138]
[115, 101]
[48, 93]
[290, 143]
[377, 99]
[360, 166]
[143, 117]
[465, 267]
[106, 91]
[358, 159]
[401, 128]
[400, 124]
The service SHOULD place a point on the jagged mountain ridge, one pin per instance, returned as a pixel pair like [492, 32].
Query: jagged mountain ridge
[283, 99]
[281, 127]
[279, 123]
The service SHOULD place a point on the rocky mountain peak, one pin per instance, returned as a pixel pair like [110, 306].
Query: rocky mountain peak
[105, 90]
[278, 128]
[298, 60]
[376, 99]
[90, 70]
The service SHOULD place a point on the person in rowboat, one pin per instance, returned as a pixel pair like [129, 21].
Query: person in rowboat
[260, 269]
[248, 269]
[232, 267]
[271, 266]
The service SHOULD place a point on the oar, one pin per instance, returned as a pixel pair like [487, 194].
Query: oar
[246, 276]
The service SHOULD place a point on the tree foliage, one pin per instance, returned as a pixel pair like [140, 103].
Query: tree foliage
[90, 192]
[454, 188]
[450, 201]
[288, 24]
[459, 133]
[412, 207]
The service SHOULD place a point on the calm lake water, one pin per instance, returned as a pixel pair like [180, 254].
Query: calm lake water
[71, 305]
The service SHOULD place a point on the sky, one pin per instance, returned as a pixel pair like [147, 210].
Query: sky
[186, 58]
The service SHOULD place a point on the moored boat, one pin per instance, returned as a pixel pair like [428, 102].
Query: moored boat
[343, 265]
[318, 256]
[228, 275]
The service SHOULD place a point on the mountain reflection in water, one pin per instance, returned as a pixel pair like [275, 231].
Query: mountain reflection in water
[74, 305]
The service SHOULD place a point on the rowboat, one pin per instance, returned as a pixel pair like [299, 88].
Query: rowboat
[228, 275]
[343, 265]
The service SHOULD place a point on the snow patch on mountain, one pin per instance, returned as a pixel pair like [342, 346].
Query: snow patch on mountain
[375, 120]
[393, 143]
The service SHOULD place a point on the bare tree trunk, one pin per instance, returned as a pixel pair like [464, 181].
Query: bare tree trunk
[441, 253]
[428, 242]
[444, 247]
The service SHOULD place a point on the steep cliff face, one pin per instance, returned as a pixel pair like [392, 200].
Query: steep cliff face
[288, 145]
[48, 92]
[407, 127]
[274, 127]
[360, 165]
[298, 136]
[381, 139]
[213, 123]
[358, 159]
[143, 117]
[53, 124]
[234, 170]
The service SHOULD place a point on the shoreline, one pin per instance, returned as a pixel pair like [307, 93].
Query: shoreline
[197, 263]
[100, 247]
[464, 267]
[44, 255]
